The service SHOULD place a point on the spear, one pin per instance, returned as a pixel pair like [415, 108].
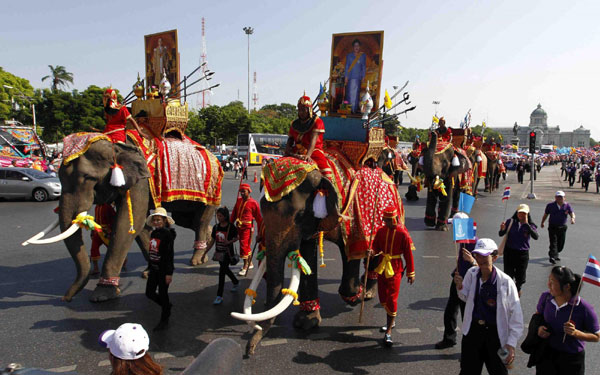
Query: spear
[207, 76]
[199, 91]
[392, 117]
[374, 114]
[188, 76]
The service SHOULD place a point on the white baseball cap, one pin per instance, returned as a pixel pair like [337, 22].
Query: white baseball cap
[129, 341]
[559, 193]
[485, 246]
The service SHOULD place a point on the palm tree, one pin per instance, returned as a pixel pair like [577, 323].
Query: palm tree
[59, 76]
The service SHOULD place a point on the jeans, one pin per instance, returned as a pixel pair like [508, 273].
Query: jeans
[451, 313]
[156, 279]
[515, 265]
[224, 270]
[557, 235]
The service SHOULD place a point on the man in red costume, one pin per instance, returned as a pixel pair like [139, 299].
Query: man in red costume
[305, 138]
[117, 117]
[392, 241]
[444, 133]
[244, 212]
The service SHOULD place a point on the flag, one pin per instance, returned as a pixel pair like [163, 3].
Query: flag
[483, 124]
[387, 101]
[592, 271]
[463, 229]
[506, 194]
[465, 203]
[435, 120]
[320, 91]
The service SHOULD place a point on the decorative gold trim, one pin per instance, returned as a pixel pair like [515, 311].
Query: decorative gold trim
[89, 142]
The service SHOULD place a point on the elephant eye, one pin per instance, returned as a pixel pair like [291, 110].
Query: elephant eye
[88, 177]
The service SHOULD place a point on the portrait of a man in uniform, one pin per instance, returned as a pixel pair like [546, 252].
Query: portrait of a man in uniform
[162, 56]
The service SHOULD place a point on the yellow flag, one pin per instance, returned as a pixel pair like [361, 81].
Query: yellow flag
[483, 124]
[435, 120]
[387, 101]
[500, 136]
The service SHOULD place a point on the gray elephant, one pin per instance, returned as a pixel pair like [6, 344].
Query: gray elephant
[86, 181]
[441, 171]
[292, 224]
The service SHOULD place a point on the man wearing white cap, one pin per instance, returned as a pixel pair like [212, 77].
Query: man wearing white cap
[493, 320]
[557, 224]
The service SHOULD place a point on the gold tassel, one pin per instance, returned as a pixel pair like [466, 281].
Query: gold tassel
[130, 211]
[321, 250]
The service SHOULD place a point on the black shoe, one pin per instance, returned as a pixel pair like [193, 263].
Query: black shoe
[557, 258]
[444, 344]
[387, 340]
[552, 260]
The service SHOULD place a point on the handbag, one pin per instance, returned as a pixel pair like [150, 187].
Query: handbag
[234, 257]
[505, 238]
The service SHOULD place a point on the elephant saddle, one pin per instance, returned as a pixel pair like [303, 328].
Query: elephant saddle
[362, 194]
[181, 169]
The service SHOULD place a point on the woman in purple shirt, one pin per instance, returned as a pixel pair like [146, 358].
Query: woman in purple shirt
[516, 251]
[565, 355]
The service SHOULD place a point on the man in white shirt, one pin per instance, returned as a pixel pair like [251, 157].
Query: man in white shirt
[493, 316]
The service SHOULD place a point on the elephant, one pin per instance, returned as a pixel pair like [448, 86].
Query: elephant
[441, 175]
[86, 181]
[291, 224]
[492, 176]
[388, 162]
[413, 158]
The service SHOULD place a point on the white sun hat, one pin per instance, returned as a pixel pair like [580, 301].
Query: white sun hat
[130, 341]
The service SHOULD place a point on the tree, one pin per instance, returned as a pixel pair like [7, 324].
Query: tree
[12, 102]
[487, 133]
[593, 142]
[59, 77]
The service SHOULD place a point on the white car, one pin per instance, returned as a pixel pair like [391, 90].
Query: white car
[28, 183]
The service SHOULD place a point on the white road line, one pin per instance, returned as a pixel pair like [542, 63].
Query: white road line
[63, 369]
[360, 332]
[317, 336]
[451, 256]
[431, 256]
[328, 260]
[163, 355]
[104, 363]
[442, 329]
[273, 342]
[41, 281]
[408, 330]
[5, 284]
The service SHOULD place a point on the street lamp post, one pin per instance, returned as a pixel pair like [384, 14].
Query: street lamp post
[30, 102]
[248, 30]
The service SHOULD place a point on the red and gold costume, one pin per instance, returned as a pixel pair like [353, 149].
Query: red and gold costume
[242, 215]
[392, 244]
[104, 215]
[301, 132]
[116, 116]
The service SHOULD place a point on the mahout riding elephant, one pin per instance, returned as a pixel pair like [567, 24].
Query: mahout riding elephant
[492, 176]
[479, 162]
[292, 224]
[85, 181]
[441, 180]
[392, 164]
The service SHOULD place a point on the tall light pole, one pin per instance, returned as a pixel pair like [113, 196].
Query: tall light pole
[248, 30]
[30, 100]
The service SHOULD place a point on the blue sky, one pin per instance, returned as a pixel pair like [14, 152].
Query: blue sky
[499, 58]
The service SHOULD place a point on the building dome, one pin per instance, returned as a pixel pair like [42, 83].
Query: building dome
[538, 112]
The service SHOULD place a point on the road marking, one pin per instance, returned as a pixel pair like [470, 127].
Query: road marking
[63, 369]
[5, 284]
[451, 256]
[273, 342]
[40, 295]
[431, 256]
[408, 330]
[41, 281]
[104, 363]
[317, 336]
[163, 355]
[442, 329]
[360, 332]
[328, 260]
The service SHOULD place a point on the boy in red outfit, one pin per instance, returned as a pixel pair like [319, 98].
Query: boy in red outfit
[392, 241]
[246, 210]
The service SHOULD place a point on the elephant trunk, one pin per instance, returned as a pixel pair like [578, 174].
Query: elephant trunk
[76, 248]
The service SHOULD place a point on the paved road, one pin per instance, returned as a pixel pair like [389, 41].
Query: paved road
[41, 331]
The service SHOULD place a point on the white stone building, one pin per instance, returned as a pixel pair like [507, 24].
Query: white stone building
[546, 135]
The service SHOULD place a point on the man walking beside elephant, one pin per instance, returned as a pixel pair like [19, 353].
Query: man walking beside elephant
[245, 211]
[392, 241]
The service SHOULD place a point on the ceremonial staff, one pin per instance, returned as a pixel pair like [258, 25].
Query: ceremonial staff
[364, 291]
[374, 114]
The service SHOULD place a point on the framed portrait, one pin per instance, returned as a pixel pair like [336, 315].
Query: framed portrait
[356, 61]
[162, 55]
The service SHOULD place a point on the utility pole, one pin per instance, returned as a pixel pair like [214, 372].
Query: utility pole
[255, 94]
[205, 101]
[248, 30]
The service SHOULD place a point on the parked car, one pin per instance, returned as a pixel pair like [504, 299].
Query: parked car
[28, 183]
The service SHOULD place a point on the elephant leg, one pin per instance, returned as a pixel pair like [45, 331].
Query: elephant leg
[350, 288]
[444, 207]
[430, 215]
[120, 242]
[143, 241]
[201, 223]
[476, 186]
[309, 315]
[455, 196]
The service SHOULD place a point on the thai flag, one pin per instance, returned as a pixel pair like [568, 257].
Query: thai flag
[506, 194]
[592, 271]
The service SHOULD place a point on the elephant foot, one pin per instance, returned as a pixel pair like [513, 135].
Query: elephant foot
[104, 293]
[306, 320]
[253, 342]
[198, 258]
[442, 227]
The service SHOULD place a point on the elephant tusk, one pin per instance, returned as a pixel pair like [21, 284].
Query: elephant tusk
[277, 309]
[41, 234]
[69, 232]
[253, 285]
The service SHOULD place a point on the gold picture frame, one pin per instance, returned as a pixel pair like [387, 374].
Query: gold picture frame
[162, 53]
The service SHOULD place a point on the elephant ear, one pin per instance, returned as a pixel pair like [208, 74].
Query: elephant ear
[133, 163]
[333, 213]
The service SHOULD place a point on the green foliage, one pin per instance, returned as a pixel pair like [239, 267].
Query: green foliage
[14, 103]
[409, 134]
[488, 132]
[593, 142]
[59, 77]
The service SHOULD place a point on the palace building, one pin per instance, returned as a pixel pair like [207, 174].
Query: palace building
[546, 135]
